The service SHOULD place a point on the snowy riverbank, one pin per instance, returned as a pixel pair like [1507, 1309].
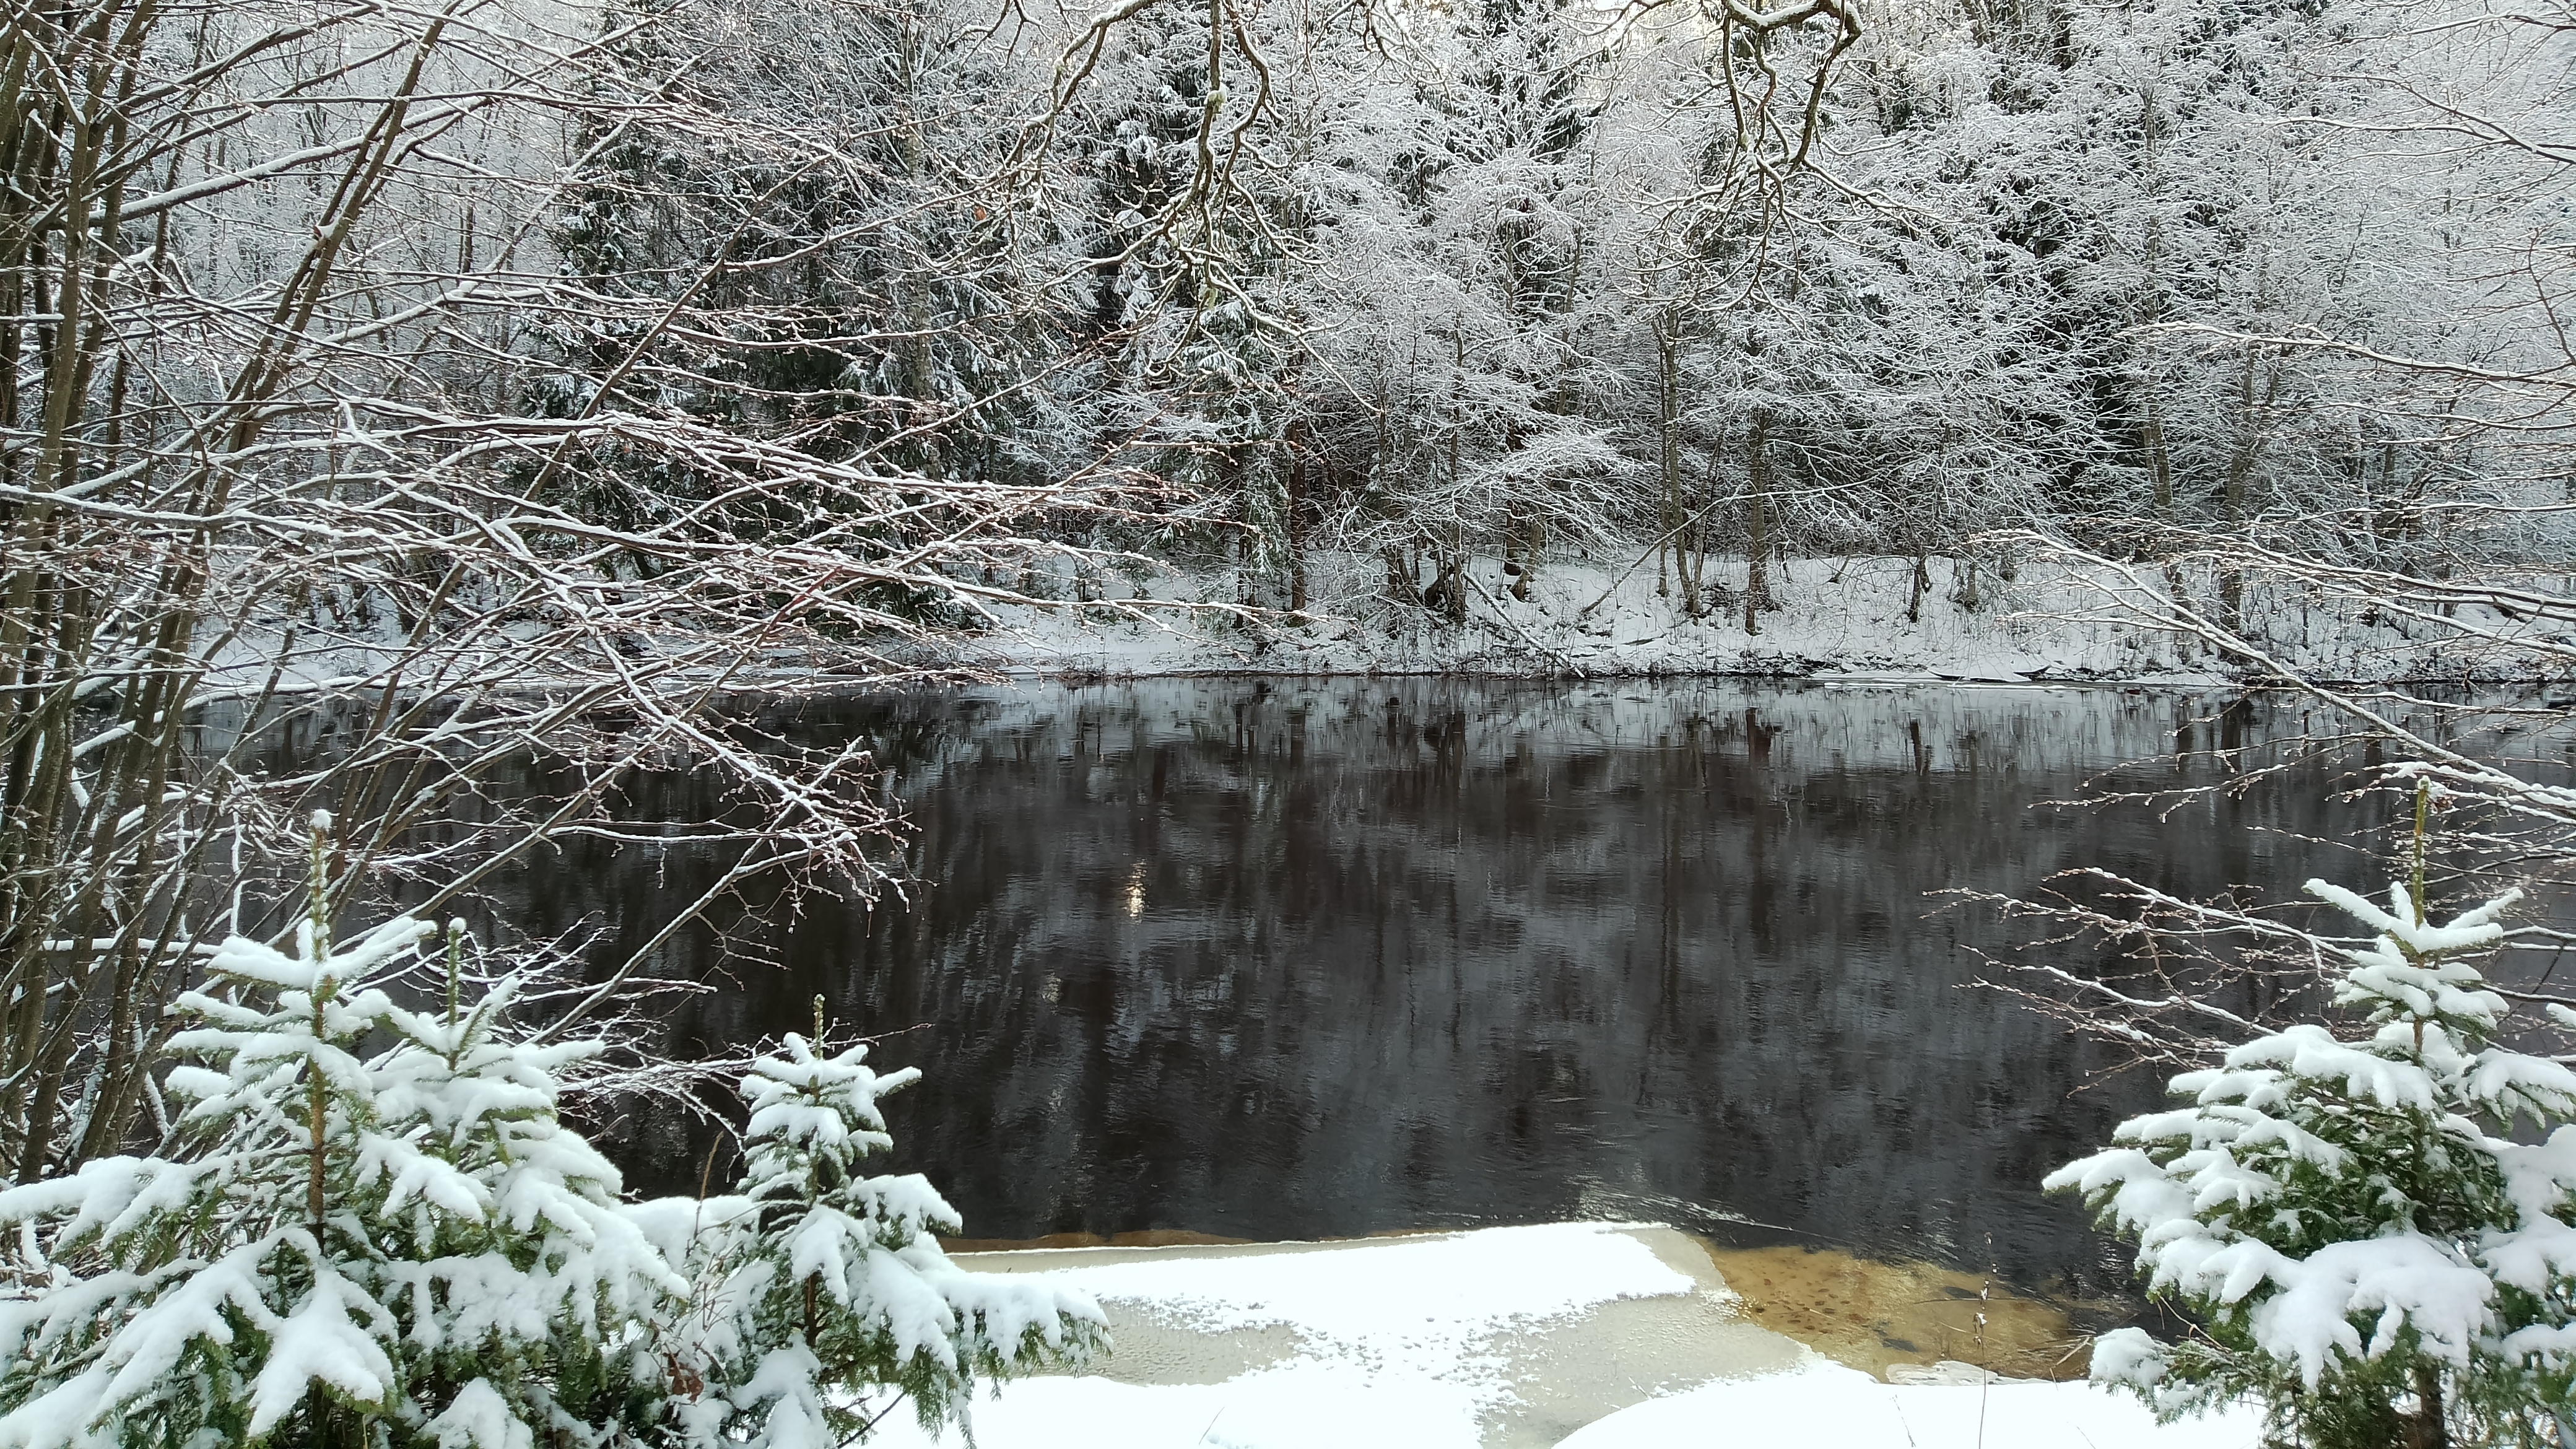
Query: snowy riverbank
[1837, 617]
[1585, 1335]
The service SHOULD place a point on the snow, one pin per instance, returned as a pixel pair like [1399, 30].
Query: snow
[1305, 1404]
[1593, 616]
[1409, 1344]
[1829, 1405]
[1826, 1405]
[478, 1418]
[319, 1343]
[2536, 1177]
[1402, 1342]
[1597, 616]
[2402, 1280]
[1418, 1305]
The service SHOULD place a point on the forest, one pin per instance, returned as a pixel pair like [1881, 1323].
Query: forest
[2156, 281]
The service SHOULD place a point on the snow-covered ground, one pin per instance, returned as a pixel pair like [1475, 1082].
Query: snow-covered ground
[1846, 617]
[1836, 617]
[1587, 1335]
[1828, 1405]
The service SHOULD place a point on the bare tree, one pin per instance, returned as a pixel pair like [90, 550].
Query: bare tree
[290, 419]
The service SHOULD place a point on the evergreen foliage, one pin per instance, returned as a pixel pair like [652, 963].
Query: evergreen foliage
[817, 1277]
[2367, 1248]
[371, 1227]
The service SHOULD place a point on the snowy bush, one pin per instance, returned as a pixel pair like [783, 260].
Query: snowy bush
[2365, 1247]
[370, 1227]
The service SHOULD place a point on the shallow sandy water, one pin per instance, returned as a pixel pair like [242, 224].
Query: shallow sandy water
[1874, 1316]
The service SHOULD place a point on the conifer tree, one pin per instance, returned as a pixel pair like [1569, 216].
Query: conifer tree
[2365, 1246]
[848, 265]
[373, 1229]
[815, 1277]
[1198, 241]
[370, 1229]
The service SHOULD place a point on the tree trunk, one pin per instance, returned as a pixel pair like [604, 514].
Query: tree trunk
[2159, 458]
[1669, 461]
[2425, 1428]
[1289, 538]
[2236, 502]
[1694, 542]
[1757, 545]
[1401, 585]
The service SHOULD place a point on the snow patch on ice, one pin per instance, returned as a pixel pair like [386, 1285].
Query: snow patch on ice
[1404, 1302]
[1833, 1405]
[1401, 1342]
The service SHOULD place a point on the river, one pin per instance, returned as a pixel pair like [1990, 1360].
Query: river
[1285, 959]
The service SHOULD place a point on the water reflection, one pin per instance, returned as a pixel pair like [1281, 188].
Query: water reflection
[1273, 959]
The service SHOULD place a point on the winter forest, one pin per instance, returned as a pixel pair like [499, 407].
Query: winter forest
[460, 462]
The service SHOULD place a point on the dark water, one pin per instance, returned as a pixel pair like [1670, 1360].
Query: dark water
[1293, 959]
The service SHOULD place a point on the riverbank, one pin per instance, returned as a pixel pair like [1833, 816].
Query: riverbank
[1580, 1335]
[1859, 618]
[1846, 617]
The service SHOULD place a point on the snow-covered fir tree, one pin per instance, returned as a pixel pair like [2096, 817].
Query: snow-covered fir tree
[817, 1279]
[1475, 261]
[1197, 239]
[849, 262]
[372, 1227]
[2375, 1233]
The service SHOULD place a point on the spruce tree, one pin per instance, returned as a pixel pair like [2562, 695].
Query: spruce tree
[2363, 1243]
[370, 1228]
[816, 1277]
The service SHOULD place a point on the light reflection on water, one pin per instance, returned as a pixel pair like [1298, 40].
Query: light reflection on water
[1292, 959]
